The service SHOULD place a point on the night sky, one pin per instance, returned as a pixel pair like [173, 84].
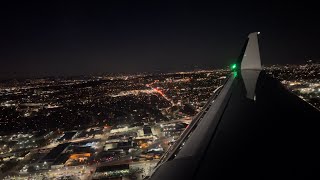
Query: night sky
[74, 38]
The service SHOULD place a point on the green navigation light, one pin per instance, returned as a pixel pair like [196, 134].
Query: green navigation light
[233, 67]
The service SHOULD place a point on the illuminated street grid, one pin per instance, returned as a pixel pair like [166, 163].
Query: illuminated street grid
[111, 125]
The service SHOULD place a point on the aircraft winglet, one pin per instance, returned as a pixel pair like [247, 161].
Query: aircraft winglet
[251, 58]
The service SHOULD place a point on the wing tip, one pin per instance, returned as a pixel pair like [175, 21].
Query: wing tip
[251, 58]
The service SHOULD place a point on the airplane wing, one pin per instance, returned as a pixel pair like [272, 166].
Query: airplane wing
[251, 128]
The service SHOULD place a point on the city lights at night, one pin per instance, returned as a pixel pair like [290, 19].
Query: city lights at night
[153, 90]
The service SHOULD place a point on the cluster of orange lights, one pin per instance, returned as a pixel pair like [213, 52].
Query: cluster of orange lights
[159, 91]
[78, 156]
[144, 145]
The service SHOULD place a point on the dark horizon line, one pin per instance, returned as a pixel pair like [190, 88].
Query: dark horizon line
[16, 76]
